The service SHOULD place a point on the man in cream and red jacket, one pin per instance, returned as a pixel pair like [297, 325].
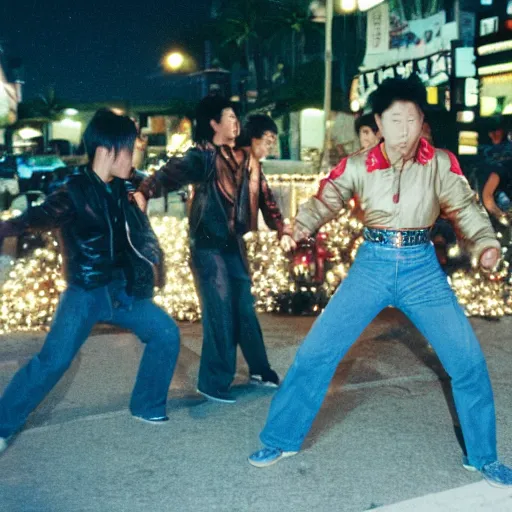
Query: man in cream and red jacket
[403, 185]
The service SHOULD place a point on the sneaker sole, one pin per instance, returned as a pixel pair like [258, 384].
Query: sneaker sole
[215, 399]
[256, 382]
[152, 422]
[469, 468]
[283, 455]
[496, 484]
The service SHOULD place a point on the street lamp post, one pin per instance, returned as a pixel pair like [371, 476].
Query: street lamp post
[329, 10]
[346, 6]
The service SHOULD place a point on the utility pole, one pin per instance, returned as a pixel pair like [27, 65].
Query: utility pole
[329, 9]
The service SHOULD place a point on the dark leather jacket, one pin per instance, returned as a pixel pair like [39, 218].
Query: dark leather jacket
[79, 209]
[214, 218]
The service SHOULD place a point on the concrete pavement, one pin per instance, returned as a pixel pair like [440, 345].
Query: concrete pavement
[384, 436]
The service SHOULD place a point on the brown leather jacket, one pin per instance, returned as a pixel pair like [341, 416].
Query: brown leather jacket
[229, 189]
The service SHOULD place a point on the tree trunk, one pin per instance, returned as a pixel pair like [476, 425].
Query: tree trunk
[252, 80]
[294, 53]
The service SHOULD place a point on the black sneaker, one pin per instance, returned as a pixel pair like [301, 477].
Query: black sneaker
[269, 379]
[224, 397]
[155, 420]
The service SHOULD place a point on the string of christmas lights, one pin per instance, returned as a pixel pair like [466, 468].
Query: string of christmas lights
[30, 294]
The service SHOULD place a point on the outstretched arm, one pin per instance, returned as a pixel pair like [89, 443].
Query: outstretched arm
[333, 194]
[56, 210]
[176, 173]
[270, 210]
[459, 204]
[488, 192]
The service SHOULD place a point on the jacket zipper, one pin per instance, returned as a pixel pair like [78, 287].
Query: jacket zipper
[141, 256]
[111, 232]
[156, 281]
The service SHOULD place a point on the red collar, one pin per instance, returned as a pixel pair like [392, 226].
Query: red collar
[377, 160]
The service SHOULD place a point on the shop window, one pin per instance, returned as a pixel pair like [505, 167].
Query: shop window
[468, 143]
[465, 116]
[471, 92]
[432, 96]
[488, 26]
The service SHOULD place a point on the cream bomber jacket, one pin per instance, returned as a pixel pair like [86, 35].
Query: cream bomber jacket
[411, 197]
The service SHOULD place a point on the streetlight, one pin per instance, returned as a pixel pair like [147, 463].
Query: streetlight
[174, 61]
[177, 61]
[348, 5]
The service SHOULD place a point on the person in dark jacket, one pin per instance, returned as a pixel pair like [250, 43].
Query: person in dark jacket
[112, 261]
[224, 207]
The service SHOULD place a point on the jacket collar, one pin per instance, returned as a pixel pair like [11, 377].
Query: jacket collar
[377, 159]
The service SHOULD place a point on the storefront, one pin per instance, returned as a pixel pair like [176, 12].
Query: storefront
[423, 47]
[494, 61]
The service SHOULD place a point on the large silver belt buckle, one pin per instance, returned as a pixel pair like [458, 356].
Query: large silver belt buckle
[399, 240]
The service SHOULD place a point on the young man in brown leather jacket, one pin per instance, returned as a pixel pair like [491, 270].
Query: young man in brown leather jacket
[225, 206]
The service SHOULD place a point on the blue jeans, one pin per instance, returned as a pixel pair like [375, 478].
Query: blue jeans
[410, 279]
[76, 315]
[228, 319]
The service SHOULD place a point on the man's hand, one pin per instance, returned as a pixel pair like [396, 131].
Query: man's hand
[287, 243]
[489, 258]
[140, 201]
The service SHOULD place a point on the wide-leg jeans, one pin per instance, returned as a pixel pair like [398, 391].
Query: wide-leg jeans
[76, 314]
[410, 279]
[228, 317]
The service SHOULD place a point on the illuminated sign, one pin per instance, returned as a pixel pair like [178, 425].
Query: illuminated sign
[500, 46]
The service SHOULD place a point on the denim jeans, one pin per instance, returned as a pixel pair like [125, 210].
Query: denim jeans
[408, 278]
[228, 319]
[76, 315]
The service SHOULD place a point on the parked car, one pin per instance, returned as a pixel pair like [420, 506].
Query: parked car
[34, 172]
[9, 182]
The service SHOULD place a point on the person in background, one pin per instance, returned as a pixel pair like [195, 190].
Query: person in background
[367, 131]
[112, 262]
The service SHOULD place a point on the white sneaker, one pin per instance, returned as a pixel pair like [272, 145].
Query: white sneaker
[466, 464]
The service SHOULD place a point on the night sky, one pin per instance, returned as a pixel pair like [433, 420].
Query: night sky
[97, 50]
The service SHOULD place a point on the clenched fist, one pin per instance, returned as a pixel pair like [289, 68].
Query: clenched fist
[490, 258]
[287, 243]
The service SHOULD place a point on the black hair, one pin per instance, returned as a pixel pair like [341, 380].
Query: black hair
[209, 109]
[398, 89]
[366, 120]
[109, 130]
[254, 128]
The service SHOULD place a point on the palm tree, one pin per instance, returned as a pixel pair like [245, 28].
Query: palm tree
[42, 110]
[239, 25]
[294, 16]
